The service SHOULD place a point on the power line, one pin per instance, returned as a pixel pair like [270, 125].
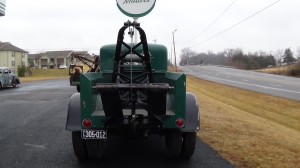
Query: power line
[227, 29]
[213, 22]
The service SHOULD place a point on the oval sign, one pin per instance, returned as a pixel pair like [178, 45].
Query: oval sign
[136, 8]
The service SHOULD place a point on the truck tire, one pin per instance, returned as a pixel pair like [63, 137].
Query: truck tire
[0, 85]
[188, 144]
[15, 84]
[70, 80]
[79, 145]
[173, 142]
[95, 148]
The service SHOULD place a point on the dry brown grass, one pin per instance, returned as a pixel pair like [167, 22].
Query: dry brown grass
[172, 69]
[46, 74]
[288, 70]
[50, 72]
[248, 129]
[30, 79]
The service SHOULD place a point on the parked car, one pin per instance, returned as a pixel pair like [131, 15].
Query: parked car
[7, 78]
[63, 67]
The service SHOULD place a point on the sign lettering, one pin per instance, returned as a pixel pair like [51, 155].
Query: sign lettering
[135, 1]
[136, 8]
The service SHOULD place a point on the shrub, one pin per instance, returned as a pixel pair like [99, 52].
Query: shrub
[21, 71]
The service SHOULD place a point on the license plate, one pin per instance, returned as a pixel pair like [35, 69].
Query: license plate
[93, 134]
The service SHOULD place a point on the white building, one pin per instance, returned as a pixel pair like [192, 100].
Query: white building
[2, 7]
[54, 59]
[12, 56]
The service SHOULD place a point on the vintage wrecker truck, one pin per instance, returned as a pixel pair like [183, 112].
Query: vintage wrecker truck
[133, 94]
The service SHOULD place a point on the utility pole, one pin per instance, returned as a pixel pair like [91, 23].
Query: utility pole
[171, 60]
[174, 49]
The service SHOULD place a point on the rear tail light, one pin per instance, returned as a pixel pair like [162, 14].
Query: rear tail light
[180, 122]
[87, 123]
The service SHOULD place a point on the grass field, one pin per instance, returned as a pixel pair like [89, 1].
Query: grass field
[50, 72]
[248, 129]
[30, 79]
[46, 74]
[287, 70]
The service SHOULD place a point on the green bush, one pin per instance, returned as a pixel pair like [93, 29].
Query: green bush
[21, 71]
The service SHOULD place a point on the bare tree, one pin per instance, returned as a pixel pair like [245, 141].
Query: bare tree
[186, 56]
[279, 55]
[262, 53]
[298, 54]
[228, 52]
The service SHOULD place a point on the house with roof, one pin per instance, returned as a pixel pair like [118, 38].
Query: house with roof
[12, 56]
[53, 59]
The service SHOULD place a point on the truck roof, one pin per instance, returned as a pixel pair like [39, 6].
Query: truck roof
[158, 54]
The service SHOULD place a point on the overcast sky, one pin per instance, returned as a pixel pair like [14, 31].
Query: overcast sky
[41, 25]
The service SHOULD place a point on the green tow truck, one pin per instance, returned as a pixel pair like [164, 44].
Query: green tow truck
[133, 94]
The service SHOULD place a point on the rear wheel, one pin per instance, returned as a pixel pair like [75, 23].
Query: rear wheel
[79, 145]
[71, 78]
[173, 142]
[95, 148]
[188, 144]
[15, 84]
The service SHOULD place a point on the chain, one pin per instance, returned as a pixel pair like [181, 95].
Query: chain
[131, 63]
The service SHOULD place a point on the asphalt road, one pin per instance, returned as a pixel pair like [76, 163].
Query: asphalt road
[32, 134]
[276, 85]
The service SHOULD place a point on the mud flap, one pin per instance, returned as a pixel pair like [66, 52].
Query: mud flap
[192, 114]
[74, 115]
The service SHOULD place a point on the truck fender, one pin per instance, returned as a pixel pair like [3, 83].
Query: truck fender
[74, 115]
[192, 114]
[17, 81]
